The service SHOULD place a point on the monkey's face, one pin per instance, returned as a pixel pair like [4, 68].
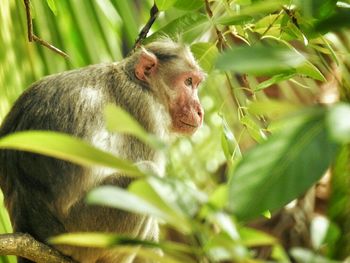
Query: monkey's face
[185, 109]
[173, 77]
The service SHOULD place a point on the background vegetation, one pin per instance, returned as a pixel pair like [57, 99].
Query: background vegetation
[245, 187]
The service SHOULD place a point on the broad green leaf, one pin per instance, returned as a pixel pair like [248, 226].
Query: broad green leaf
[122, 244]
[261, 60]
[273, 80]
[52, 5]
[116, 197]
[263, 7]
[338, 122]
[142, 201]
[118, 120]
[206, 54]
[164, 4]
[188, 26]
[65, 147]
[279, 170]
[188, 4]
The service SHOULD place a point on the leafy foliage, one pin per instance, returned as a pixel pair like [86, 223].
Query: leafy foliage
[264, 142]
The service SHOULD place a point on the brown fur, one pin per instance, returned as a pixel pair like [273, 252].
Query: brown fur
[44, 195]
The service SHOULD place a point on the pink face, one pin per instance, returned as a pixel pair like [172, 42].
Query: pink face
[185, 110]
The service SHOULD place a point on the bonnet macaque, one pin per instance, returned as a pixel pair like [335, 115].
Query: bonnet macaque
[157, 85]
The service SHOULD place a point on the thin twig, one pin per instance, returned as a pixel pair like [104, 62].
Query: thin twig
[25, 246]
[33, 38]
[49, 46]
[221, 39]
[143, 33]
[29, 20]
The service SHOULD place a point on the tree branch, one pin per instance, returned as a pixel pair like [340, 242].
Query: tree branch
[143, 33]
[32, 37]
[25, 246]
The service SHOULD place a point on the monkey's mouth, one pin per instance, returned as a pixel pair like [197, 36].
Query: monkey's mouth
[195, 126]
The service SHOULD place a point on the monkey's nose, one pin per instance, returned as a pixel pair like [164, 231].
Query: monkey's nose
[200, 112]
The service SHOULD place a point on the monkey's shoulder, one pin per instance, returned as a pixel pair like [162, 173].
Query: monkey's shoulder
[93, 76]
[63, 102]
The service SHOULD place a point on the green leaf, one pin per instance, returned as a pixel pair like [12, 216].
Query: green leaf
[164, 4]
[338, 122]
[189, 4]
[119, 243]
[65, 147]
[253, 128]
[100, 240]
[178, 194]
[52, 5]
[219, 197]
[259, 8]
[334, 22]
[254, 238]
[229, 143]
[234, 20]
[272, 108]
[116, 197]
[126, 10]
[273, 80]
[317, 8]
[188, 26]
[150, 193]
[118, 120]
[308, 69]
[206, 54]
[124, 244]
[261, 60]
[279, 170]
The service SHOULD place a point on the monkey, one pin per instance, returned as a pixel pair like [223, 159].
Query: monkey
[157, 84]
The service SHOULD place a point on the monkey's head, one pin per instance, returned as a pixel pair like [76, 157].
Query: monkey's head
[171, 73]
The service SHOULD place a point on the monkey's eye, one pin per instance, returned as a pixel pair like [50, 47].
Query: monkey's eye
[188, 82]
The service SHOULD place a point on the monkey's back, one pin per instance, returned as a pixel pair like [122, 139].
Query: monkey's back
[71, 102]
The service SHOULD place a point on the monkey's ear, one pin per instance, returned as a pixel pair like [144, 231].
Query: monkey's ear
[146, 65]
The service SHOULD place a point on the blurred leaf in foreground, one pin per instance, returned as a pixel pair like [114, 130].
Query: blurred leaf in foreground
[118, 120]
[187, 25]
[279, 170]
[338, 121]
[65, 147]
[263, 60]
